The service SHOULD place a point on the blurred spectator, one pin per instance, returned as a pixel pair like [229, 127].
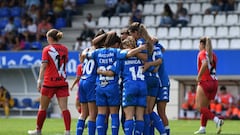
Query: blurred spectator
[29, 3]
[58, 7]
[10, 40]
[69, 7]
[167, 16]
[235, 115]
[110, 8]
[48, 11]
[42, 29]
[88, 28]
[215, 7]
[223, 102]
[122, 7]
[136, 14]
[32, 30]
[78, 46]
[10, 27]
[9, 34]
[229, 5]
[34, 13]
[6, 101]
[22, 34]
[220, 5]
[182, 17]
[190, 103]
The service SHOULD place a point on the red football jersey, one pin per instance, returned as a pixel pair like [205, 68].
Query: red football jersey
[79, 70]
[210, 73]
[56, 55]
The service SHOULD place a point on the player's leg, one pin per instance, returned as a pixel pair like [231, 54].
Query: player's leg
[92, 117]
[41, 116]
[139, 122]
[129, 122]
[161, 107]
[162, 100]
[114, 111]
[100, 121]
[202, 103]
[63, 101]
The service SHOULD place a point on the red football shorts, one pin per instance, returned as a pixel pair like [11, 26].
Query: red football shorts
[59, 91]
[210, 88]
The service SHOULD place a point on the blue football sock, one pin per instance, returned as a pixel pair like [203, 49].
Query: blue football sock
[139, 127]
[129, 124]
[115, 124]
[167, 129]
[157, 122]
[100, 124]
[105, 127]
[80, 127]
[91, 127]
[147, 122]
[152, 129]
[123, 121]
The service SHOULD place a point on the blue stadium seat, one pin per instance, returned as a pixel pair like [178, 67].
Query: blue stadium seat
[3, 23]
[4, 12]
[15, 11]
[17, 22]
[27, 102]
[36, 104]
[81, 2]
[60, 23]
[27, 46]
[16, 103]
[36, 45]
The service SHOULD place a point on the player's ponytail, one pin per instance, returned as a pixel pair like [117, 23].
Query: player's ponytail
[144, 34]
[209, 49]
[55, 34]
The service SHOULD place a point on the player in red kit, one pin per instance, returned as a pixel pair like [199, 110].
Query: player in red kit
[52, 80]
[207, 84]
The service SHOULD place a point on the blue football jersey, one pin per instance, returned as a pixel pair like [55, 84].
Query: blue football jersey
[89, 70]
[132, 69]
[106, 59]
[152, 57]
[162, 72]
[141, 41]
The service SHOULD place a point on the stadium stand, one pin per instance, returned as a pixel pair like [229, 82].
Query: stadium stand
[214, 25]
[224, 24]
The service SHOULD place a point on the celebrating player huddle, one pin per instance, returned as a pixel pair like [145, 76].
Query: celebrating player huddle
[124, 72]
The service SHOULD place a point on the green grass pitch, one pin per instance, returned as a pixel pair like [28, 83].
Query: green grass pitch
[19, 126]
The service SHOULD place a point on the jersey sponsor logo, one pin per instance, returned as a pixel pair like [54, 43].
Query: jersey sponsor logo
[106, 55]
[130, 62]
[105, 60]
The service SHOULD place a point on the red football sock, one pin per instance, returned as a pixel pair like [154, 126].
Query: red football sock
[67, 119]
[41, 116]
[207, 113]
[203, 120]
